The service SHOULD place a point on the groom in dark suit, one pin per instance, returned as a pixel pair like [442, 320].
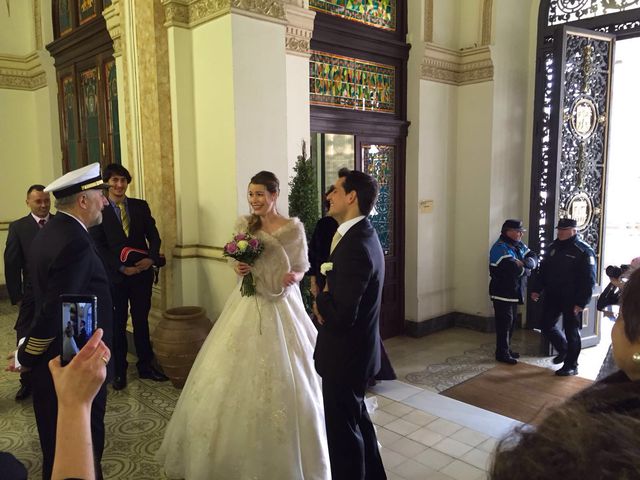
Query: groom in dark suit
[347, 351]
[21, 234]
[127, 222]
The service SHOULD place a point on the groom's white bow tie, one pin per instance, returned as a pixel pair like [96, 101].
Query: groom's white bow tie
[334, 241]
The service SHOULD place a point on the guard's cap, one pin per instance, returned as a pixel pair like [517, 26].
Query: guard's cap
[565, 223]
[513, 224]
[76, 181]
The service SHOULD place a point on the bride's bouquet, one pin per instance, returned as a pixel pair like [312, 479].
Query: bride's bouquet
[245, 248]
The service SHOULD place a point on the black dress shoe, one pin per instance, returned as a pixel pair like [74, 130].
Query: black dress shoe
[566, 372]
[152, 374]
[119, 383]
[558, 359]
[508, 360]
[514, 354]
[23, 392]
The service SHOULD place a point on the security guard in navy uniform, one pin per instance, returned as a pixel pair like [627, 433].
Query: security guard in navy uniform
[64, 260]
[510, 264]
[566, 279]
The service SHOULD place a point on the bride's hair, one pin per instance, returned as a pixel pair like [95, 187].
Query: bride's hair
[271, 182]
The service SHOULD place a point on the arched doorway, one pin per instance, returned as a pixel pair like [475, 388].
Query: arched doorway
[575, 59]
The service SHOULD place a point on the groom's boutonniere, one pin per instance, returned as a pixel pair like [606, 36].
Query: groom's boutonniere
[326, 267]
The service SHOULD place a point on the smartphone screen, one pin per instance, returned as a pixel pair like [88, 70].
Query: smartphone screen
[79, 321]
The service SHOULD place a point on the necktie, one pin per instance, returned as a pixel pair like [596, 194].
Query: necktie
[124, 218]
[41, 222]
[334, 241]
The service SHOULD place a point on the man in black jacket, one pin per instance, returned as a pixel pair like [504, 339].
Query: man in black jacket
[21, 234]
[566, 279]
[127, 222]
[64, 260]
[347, 350]
[510, 263]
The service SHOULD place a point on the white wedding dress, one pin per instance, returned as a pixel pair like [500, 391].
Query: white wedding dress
[252, 405]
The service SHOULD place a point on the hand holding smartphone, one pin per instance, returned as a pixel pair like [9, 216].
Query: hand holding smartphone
[79, 321]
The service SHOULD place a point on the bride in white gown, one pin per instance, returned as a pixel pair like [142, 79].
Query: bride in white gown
[252, 405]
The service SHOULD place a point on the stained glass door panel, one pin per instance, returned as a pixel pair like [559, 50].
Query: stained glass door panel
[113, 120]
[378, 161]
[90, 115]
[379, 158]
[70, 140]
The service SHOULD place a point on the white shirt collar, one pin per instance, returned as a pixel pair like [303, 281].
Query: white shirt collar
[76, 218]
[37, 218]
[343, 228]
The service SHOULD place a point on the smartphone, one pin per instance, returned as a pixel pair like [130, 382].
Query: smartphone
[79, 321]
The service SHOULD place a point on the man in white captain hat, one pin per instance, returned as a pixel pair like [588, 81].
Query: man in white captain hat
[65, 261]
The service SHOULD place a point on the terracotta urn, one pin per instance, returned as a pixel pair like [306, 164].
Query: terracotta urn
[177, 341]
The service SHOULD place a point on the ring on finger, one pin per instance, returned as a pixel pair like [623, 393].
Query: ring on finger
[104, 359]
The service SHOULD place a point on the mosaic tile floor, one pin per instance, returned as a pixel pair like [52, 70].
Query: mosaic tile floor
[424, 435]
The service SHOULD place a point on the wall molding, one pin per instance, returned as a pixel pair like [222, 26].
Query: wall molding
[191, 13]
[428, 20]
[452, 67]
[449, 320]
[37, 20]
[4, 226]
[299, 30]
[199, 251]
[487, 17]
[22, 72]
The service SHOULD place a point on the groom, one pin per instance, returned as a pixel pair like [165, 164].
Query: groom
[348, 347]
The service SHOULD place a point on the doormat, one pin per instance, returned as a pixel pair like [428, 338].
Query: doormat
[522, 391]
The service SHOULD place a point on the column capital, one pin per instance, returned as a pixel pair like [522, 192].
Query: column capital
[299, 29]
[190, 13]
[113, 19]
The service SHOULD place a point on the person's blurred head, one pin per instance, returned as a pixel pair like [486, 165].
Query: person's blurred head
[575, 442]
[625, 336]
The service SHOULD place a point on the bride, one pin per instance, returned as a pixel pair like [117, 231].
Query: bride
[252, 405]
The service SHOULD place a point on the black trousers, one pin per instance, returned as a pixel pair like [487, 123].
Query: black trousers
[45, 407]
[506, 314]
[134, 291]
[569, 342]
[23, 325]
[353, 446]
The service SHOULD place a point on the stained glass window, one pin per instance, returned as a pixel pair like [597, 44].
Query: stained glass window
[70, 135]
[90, 125]
[376, 13]
[379, 163]
[351, 83]
[64, 17]
[113, 121]
[563, 11]
[87, 10]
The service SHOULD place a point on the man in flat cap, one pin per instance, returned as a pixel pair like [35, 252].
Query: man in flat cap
[510, 263]
[64, 260]
[566, 279]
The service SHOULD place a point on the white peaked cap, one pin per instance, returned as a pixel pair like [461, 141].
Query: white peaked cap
[75, 181]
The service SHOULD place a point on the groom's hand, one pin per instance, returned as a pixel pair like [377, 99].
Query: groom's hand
[317, 314]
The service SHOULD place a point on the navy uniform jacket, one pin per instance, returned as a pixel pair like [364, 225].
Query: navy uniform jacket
[508, 279]
[348, 346]
[63, 260]
[568, 272]
[111, 239]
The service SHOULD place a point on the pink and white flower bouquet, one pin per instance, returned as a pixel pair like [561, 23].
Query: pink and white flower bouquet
[245, 248]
